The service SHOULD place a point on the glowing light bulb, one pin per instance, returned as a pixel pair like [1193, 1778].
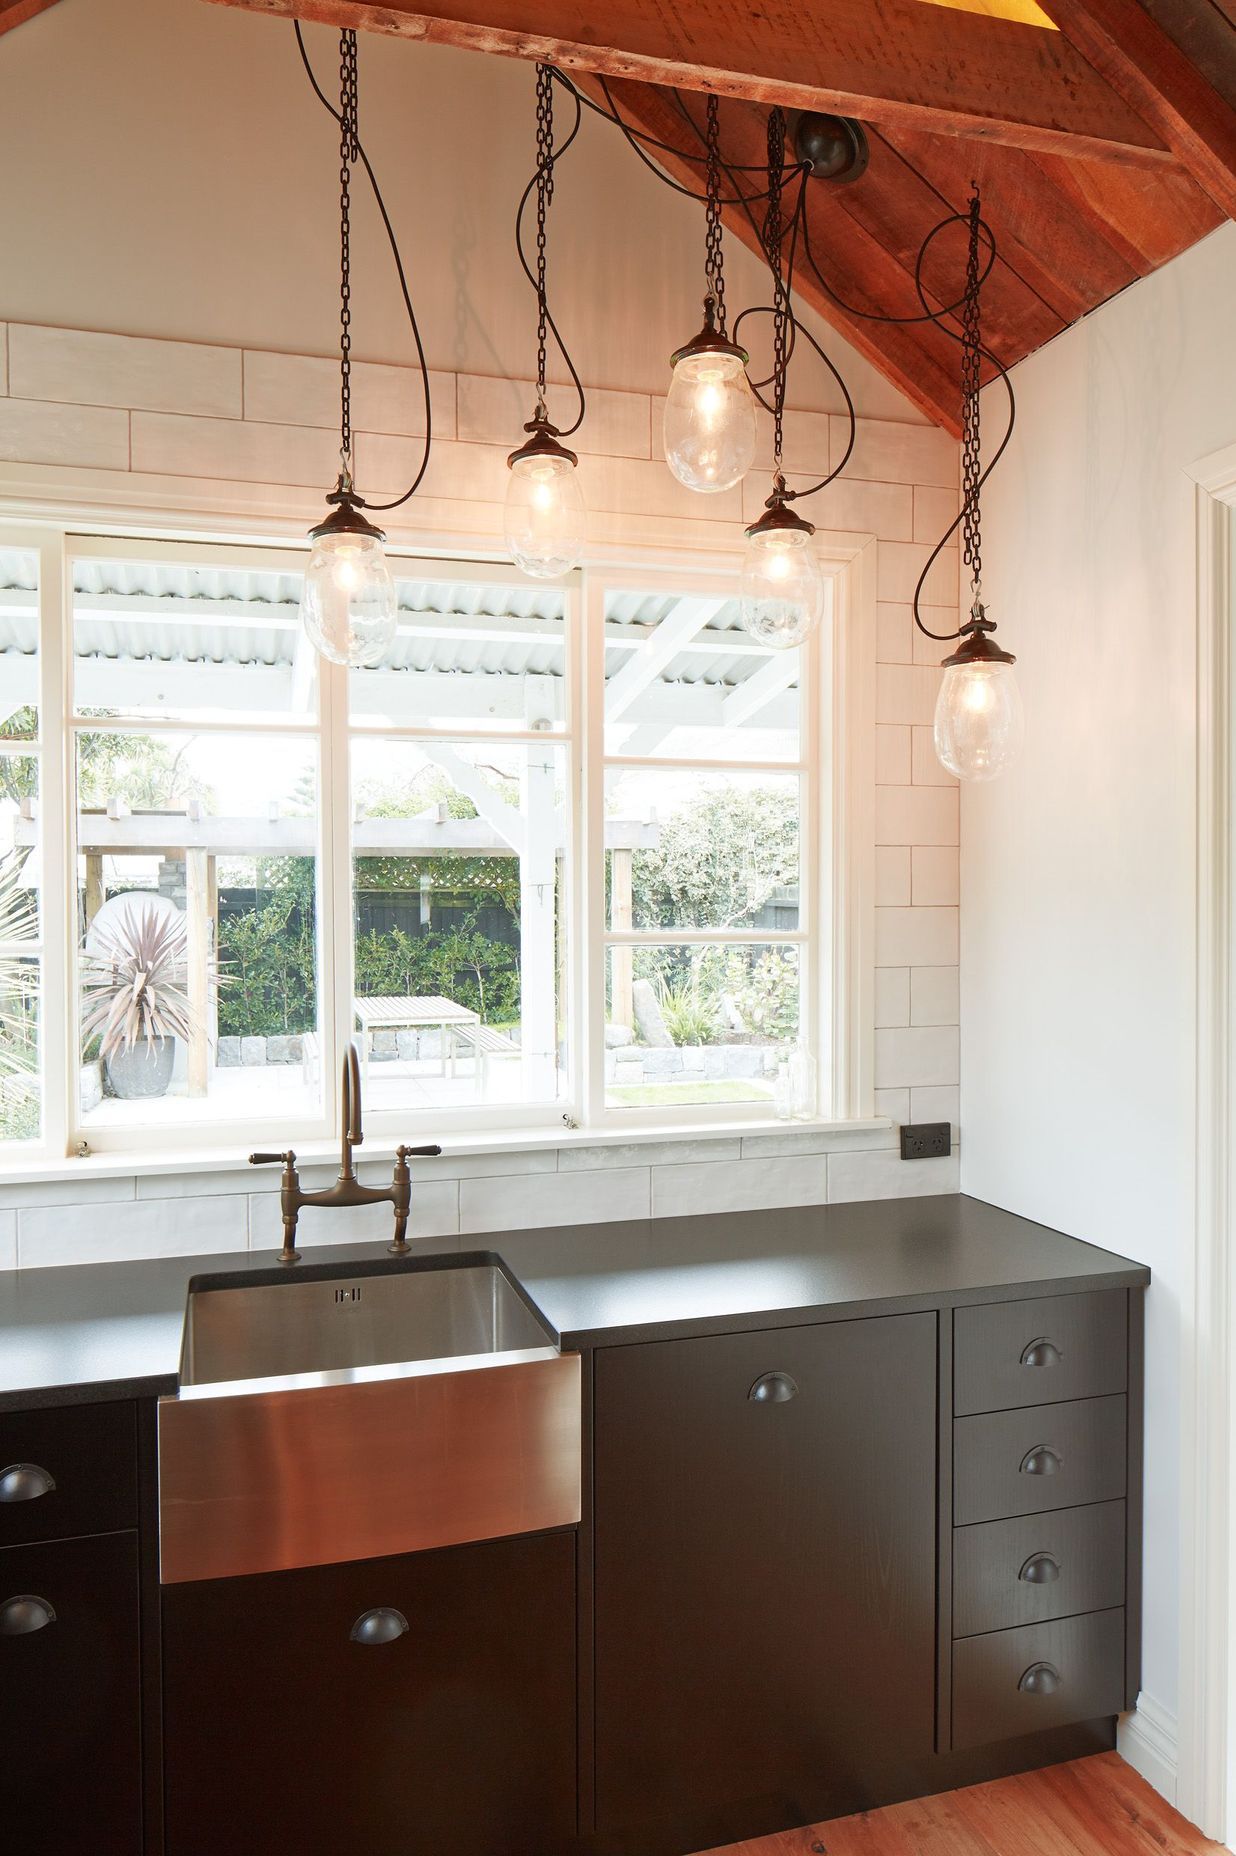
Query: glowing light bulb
[709, 428]
[545, 518]
[347, 604]
[782, 585]
[979, 722]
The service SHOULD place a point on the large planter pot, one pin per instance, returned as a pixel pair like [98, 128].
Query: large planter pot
[146, 1070]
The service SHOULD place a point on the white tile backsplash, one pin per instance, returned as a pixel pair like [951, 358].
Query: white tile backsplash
[8, 1240]
[92, 369]
[119, 1233]
[934, 996]
[66, 1192]
[561, 1198]
[916, 1054]
[888, 1176]
[739, 1185]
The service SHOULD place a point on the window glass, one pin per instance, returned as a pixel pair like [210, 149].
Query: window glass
[177, 639]
[683, 679]
[19, 645]
[698, 1024]
[701, 850]
[459, 853]
[197, 934]
[468, 656]
[20, 962]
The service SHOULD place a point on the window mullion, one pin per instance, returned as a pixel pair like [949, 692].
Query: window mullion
[592, 851]
[58, 996]
[335, 986]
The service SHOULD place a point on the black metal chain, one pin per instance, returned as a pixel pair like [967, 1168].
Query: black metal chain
[544, 194]
[774, 233]
[971, 447]
[349, 152]
[713, 258]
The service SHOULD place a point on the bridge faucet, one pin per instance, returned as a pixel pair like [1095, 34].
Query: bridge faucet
[347, 1189]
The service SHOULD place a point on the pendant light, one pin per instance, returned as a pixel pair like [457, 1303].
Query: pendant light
[979, 722]
[782, 585]
[545, 520]
[347, 604]
[709, 425]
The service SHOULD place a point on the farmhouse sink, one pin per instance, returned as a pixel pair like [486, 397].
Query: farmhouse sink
[337, 1327]
[343, 1415]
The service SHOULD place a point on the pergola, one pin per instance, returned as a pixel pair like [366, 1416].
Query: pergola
[166, 636]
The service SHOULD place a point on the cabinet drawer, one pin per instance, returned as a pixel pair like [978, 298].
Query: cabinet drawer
[1038, 1353]
[70, 1697]
[68, 1471]
[1025, 1462]
[1038, 1567]
[1017, 1681]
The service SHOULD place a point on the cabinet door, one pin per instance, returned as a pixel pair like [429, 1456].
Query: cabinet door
[300, 1715]
[70, 1698]
[765, 1571]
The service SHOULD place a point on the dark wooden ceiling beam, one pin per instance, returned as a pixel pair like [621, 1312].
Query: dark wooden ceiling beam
[898, 63]
[1191, 112]
[17, 12]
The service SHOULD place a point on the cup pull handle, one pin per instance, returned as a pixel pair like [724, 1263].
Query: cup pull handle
[1041, 1352]
[1040, 1569]
[773, 1389]
[25, 1482]
[381, 1625]
[23, 1615]
[1041, 1461]
[1040, 1679]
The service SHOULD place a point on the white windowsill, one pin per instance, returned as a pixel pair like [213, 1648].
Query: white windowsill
[316, 1153]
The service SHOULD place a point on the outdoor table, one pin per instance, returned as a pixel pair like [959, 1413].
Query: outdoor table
[415, 1013]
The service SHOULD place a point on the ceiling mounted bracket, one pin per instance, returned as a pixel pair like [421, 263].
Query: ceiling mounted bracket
[833, 147]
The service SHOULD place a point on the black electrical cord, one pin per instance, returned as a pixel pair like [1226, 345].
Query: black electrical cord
[327, 105]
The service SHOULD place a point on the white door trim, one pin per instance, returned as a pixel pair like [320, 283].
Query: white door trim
[1206, 1791]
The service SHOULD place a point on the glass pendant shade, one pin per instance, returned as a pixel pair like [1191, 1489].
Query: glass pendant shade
[347, 605]
[782, 585]
[979, 722]
[545, 521]
[709, 428]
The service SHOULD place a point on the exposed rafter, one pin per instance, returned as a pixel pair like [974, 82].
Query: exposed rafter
[899, 63]
[17, 12]
[1176, 66]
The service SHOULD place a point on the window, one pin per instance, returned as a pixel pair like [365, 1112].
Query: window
[707, 868]
[557, 857]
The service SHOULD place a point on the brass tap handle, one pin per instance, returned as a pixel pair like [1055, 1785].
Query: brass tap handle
[401, 1195]
[289, 1199]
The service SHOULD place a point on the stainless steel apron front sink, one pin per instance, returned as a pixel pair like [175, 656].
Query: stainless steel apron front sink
[347, 1415]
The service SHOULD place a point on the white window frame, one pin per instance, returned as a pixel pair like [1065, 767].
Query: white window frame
[835, 936]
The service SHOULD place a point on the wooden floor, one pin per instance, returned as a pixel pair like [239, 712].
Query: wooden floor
[1091, 1807]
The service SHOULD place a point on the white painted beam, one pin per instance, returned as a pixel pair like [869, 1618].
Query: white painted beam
[505, 820]
[756, 692]
[682, 622]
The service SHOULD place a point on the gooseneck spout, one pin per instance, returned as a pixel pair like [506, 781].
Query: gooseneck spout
[352, 1131]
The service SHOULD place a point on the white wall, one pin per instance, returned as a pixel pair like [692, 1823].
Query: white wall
[1078, 913]
[173, 175]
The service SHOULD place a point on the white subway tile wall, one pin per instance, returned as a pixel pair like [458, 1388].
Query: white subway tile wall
[110, 405]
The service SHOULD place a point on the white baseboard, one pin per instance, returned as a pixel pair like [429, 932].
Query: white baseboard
[1147, 1740]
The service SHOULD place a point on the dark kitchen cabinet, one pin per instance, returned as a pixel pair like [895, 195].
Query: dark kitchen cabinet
[70, 1697]
[765, 1574]
[399, 1707]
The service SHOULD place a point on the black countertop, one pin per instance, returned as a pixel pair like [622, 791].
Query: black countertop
[113, 1330]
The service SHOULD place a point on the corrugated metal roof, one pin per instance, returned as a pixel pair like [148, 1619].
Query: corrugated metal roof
[166, 611]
